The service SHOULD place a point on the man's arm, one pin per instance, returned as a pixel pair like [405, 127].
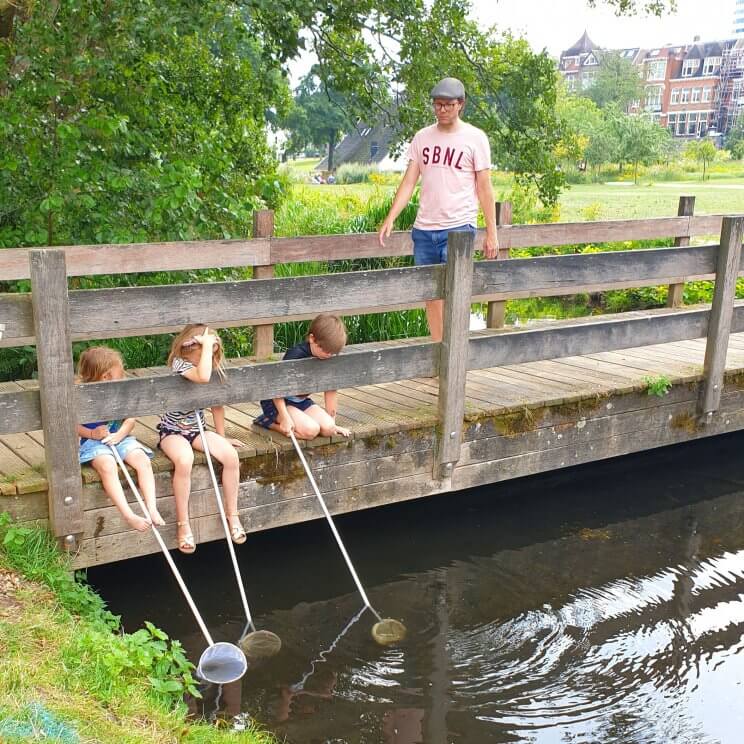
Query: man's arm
[484, 189]
[402, 197]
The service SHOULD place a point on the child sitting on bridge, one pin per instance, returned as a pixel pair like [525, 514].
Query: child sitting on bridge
[101, 364]
[298, 413]
[195, 352]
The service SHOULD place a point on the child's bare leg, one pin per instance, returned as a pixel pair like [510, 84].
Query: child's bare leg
[105, 466]
[179, 452]
[146, 482]
[305, 426]
[327, 426]
[222, 451]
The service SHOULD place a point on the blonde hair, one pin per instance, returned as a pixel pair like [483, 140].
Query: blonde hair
[181, 343]
[329, 332]
[95, 361]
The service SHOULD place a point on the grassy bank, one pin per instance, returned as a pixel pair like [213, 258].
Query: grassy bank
[70, 676]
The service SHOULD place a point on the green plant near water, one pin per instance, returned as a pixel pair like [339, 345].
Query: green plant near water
[658, 386]
[69, 672]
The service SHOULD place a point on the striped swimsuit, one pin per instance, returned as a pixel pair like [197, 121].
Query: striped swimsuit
[181, 422]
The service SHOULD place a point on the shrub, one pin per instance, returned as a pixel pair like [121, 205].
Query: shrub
[354, 173]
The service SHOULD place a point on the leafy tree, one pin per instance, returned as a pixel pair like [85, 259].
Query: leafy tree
[641, 141]
[735, 139]
[618, 82]
[319, 116]
[702, 151]
[133, 120]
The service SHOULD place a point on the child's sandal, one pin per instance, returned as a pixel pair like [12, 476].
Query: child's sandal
[186, 542]
[237, 532]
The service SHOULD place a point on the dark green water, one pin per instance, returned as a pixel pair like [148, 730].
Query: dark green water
[597, 604]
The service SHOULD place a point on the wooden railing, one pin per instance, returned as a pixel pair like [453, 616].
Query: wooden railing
[52, 317]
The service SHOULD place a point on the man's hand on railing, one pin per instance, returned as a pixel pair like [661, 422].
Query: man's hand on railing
[490, 246]
[385, 230]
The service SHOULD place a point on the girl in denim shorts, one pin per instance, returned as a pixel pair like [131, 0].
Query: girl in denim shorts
[101, 364]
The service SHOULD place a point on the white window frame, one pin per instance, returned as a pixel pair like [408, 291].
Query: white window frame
[658, 95]
[707, 94]
[653, 66]
[690, 67]
[712, 65]
[685, 96]
[675, 96]
[695, 95]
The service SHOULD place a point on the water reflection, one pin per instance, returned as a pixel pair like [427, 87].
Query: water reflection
[559, 613]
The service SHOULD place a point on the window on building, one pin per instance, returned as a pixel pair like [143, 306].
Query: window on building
[672, 122]
[675, 96]
[703, 123]
[374, 148]
[681, 122]
[656, 70]
[696, 95]
[685, 97]
[653, 97]
[706, 94]
[692, 120]
[712, 65]
[587, 79]
[571, 82]
[690, 67]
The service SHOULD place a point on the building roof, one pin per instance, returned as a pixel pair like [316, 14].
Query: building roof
[582, 46]
[357, 147]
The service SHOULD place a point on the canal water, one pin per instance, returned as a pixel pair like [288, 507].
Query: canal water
[596, 604]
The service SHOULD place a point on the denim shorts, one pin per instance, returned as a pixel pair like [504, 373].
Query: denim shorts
[92, 448]
[430, 246]
[270, 412]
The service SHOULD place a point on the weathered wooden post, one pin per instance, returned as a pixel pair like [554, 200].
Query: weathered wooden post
[496, 311]
[685, 208]
[263, 335]
[719, 325]
[453, 354]
[57, 393]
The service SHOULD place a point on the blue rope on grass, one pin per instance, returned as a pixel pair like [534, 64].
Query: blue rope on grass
[38, 724]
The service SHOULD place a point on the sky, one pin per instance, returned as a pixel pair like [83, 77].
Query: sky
[558, 24]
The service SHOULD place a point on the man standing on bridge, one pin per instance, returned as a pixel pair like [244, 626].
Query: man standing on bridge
[453, 159]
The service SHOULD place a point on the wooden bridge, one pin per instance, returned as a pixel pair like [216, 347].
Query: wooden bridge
[427, 418]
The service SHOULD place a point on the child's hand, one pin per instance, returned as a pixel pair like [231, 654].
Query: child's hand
[341, 431]
[285, 424]
[235, 442]
[206, 339]
[114, 438]
[100, 432]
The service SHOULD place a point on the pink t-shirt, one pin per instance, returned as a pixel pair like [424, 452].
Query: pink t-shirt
[448, 162]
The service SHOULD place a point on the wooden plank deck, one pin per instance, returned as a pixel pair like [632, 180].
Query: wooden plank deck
[520, 419]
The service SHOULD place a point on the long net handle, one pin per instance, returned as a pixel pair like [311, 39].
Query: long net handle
[163, 547]
[223, 518]
[329, 518]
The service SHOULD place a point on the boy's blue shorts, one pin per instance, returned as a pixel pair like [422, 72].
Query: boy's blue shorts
[92, 448]
[430, 246]
[270, 412]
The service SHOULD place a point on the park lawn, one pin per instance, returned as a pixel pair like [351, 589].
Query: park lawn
[617, 202]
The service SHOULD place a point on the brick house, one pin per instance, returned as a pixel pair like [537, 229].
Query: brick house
[691, 89]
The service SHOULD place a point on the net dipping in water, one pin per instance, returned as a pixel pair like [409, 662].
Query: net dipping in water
[260, 644]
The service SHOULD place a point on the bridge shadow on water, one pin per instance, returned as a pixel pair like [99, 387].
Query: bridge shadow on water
[594, 604]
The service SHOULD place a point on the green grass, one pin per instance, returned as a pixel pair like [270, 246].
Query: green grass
[71, 676]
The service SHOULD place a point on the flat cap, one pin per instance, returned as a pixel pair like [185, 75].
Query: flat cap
[448, 88]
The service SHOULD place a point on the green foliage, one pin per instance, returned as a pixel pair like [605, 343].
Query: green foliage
[132, 121]
[618, 82]
[640, 140]
[701, 151]
[106, 656]
[354, 173]
[319, 116]
[658, 386]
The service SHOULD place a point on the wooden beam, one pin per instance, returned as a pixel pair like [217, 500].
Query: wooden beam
[90, 260]
[496, 310]
[719, 326]
[57, 393]
[685, 208]
[453, 351]
[263, 335]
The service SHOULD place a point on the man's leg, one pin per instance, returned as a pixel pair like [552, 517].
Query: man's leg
[435, 318]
